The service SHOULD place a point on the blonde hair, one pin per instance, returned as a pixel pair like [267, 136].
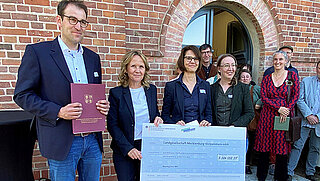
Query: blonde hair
[126, 59]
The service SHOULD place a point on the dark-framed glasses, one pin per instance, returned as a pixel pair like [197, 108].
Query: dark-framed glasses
[207, 52]
[190, 58]
[73, 21]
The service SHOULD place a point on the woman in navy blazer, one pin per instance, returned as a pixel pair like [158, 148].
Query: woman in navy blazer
[187, 98]
[132, 103]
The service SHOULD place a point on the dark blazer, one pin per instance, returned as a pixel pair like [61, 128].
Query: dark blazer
[241, 105]
[173, 103]
[120, 119]
[43, 87]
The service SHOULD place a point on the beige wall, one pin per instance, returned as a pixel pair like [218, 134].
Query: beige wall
[220, 32]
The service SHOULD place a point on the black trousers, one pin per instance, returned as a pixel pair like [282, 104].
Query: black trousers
[126, 168]
[251, 137]
[281, 169]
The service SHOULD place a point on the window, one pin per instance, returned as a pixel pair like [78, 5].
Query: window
[198, 38]
[223, 30]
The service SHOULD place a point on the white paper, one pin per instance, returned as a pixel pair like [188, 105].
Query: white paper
[188, 153]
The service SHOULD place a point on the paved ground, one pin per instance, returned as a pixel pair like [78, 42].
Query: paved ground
[252, 177]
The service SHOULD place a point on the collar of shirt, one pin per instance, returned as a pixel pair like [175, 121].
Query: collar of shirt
[181, 75]
[207, 69]
[65, 49]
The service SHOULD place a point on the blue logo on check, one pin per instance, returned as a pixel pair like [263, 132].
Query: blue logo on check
[188, 129]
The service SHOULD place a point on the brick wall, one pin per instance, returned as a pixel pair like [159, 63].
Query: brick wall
[156, 27]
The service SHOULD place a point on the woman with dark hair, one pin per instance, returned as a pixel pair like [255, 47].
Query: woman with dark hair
[187, 98]
[274, 92]
[246, 78]
[132, 103]
[231, 104]
[247, 67]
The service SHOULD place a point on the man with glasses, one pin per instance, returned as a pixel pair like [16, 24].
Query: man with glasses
[43, 88]
[289, 51]
[208, 69]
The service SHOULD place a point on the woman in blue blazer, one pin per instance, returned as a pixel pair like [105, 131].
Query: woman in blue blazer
[132, 103]
[187, 98]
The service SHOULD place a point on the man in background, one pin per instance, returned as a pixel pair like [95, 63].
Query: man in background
[208, 69]
[309, 106]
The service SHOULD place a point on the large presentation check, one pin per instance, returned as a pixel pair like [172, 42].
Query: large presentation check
[174, 152]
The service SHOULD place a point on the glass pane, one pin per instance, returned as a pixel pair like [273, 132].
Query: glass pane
[195, 33]
[238, 41]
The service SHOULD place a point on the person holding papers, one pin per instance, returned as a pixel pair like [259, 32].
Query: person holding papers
[132, 103]
[231, 103]
[43, 89]
[187, 98]
[274, 92]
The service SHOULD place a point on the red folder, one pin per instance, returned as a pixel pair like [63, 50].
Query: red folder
[91, 120]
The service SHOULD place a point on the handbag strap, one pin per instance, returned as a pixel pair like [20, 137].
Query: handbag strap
[251, 93]
[289, 83]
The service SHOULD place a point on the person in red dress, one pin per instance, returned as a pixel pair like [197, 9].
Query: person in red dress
[274, 92]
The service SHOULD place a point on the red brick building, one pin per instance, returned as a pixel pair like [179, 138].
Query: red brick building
[157, 27]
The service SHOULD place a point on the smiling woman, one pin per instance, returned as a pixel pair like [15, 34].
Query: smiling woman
[132, 103]
[231, 104]
[187, 98]
[274, 92]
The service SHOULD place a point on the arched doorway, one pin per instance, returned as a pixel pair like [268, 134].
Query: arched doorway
[254, 15]
[223, 30]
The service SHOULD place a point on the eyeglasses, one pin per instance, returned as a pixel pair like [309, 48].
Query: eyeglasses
[73, 21]
[207, 52]
[189, 59]
[228, 65]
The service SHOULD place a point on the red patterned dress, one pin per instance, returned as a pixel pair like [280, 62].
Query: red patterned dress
[267, 139]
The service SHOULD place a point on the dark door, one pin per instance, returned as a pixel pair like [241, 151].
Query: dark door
[238, 43]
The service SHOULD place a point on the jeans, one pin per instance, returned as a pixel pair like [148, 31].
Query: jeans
[314, 147]
[84, 156]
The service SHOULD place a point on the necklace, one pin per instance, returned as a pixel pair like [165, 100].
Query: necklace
[278, 80]
[278, 76]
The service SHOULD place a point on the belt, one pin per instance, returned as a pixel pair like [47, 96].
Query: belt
[82, 134]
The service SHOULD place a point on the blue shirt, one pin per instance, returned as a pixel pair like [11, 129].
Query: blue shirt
[141, 111]
[315, 85]
[191, 102]
[75, 62]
